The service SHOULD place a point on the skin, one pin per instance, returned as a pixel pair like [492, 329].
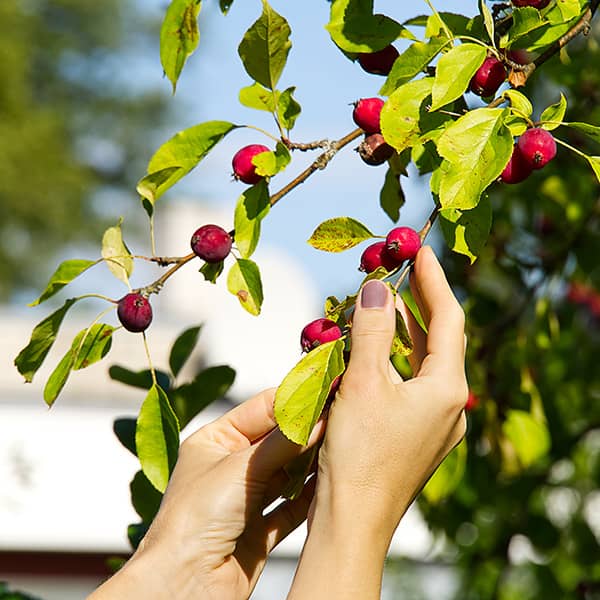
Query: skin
[384, 439]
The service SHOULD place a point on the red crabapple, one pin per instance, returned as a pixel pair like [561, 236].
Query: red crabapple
[489, 77]
[366, 114]
[134, 312]
[517, 169]
[318, 332]
[537, 147]
[539, 4]
[211, 243]
[403, 243]
[376, 255]
[243, 168]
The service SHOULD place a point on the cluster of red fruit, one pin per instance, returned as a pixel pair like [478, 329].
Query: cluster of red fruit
[532, 151]
[584, 295]
[401, 243]
[211, 243]
[367, 114]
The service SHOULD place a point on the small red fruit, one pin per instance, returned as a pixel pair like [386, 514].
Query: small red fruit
[537, 147]
[403, 243]
[472, 402]
[366, 114]
[318, 332]
[211, 243]
[243, 169]
[134, 312]
[489, 77]
[539, 4]
[375, 256]
[517, 168]
[374, 150]
[380, 62]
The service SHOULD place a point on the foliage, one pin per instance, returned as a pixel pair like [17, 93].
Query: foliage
[534, 438]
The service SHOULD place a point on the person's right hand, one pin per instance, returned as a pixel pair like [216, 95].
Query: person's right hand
[384, 437]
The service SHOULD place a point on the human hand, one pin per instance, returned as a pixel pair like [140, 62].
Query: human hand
[210, 538]
[385, 437]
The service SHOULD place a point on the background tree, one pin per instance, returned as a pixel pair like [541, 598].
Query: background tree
[68, 127]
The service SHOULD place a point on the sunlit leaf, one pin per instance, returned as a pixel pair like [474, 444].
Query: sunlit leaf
[115, 253]
[448, 475]
[530, 438]
[251, 208]
[552, 116]
[467, 231]
[338, 234]
[244, 282]
[64, 274]
[182, 348]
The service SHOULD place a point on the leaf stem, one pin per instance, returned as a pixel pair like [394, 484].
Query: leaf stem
[101, 297]
[269, 135]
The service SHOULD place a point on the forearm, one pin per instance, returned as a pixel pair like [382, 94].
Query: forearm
[342, 558]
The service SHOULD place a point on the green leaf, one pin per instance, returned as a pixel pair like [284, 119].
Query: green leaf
[488, 20]
[402, 343]
[568, 9]
[404, 117]
[392, 197]
[181, 153]
[448, 475]
[89, 346]
[338, 234]
[301, 396]
[595, 164]
[409, 300]
[517, 125]
[208, 385]
[258, 97]
[115, 253]
[467, 231]
[354, 28]
[124, 429]
[520, 102]
[145, 498]
[525, 20]
[459, 25]
[64, 274]
[529, 438]
[252, 207]
[270, 163]
[244, 282]
[476, 147]
[178, 37]
[182, 348]
[265, 47]
[454, 72]
[412, 62]
[288, 108]
[554, 114]
[590, 130]
[225, 5]
[212, 271]
[149, 185]
[140, 379]
[43, 336]
[157, 438]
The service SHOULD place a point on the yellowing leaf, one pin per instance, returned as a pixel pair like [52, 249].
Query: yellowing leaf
[338, 234]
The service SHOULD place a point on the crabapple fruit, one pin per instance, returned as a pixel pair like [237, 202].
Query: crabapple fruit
[318, 332]
[211, 243]
[243, 168]
[517, 169]
[380, 62]
[403, 243]
[489, 77]
[539, 4]
[376, 255]
[537, 147]
[374, 150]
[366, 114]
[134, 312]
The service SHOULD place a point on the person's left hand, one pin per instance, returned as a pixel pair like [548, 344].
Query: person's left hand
[210, 538]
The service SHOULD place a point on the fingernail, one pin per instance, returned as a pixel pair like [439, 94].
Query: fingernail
[374, 294]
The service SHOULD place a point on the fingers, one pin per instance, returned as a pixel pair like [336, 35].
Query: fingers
[267, 456]
[244, 424]
[444, 317]
[373, 326]
[288, 515]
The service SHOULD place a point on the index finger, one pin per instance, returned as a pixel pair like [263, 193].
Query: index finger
[446, 326]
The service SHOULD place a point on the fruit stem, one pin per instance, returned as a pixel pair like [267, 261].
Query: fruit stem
[263, 132]
[150, 365]
[318, 164]
[157, 285]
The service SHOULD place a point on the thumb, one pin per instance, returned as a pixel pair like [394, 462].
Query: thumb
[373, 326]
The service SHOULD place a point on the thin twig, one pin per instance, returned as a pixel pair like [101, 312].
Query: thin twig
[157, 285]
